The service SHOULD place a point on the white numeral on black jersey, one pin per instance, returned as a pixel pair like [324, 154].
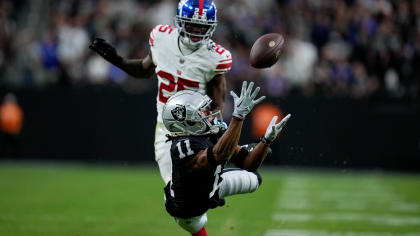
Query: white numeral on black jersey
[187, 145]
[216, 180]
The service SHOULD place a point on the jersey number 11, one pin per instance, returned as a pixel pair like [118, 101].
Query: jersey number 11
[187, 146]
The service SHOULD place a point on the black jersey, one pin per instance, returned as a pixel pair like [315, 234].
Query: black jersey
[192, 193]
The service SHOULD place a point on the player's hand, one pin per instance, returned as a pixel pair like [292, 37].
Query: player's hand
[244, 104]
[274, 129]
[106, 50]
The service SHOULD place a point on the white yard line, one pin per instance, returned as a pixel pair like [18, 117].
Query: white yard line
[298, 198]
[380, 219]
[377, 196]
[404, 207]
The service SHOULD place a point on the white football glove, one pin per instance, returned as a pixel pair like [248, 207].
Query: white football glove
[244, 104]
[274, 129]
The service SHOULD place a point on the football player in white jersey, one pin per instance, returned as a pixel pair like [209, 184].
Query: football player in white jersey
[184, 58]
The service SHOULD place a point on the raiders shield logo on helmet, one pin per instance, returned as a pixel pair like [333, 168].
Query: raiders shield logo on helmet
[179, 113]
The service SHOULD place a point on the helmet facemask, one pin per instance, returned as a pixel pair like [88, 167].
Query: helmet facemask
[212, 119]
[207, 122]
[195, 33]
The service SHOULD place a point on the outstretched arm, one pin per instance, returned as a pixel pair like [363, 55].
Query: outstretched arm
[252, 160]
[138, 68]
[226, 145]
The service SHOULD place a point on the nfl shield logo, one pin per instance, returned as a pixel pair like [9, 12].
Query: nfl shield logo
[179, 113]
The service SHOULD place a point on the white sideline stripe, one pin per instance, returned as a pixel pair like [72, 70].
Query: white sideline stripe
[364, 185]
[346, 205]
[291, 232]
[340, 194]
[338, 186]
[295, 206]
[331, 195]
[305, 205]
[404, 207]
[295, 192]
[373, 218]
[293, 217]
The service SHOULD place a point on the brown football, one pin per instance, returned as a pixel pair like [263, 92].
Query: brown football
[266, 50]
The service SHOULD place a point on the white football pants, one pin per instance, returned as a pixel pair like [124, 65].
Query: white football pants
[163, 152]
[234, 181]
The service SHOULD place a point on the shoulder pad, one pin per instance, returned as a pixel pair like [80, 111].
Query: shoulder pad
[159, 31]
[223, 58]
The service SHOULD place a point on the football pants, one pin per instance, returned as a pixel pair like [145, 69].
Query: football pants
[163, 152]
[238, 181]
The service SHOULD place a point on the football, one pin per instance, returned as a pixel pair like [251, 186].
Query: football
[266, 50]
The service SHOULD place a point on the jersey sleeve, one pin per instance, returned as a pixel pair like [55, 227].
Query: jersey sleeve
[224, 64]
[221, 61]
[186, 148]
[153, 41]
[157, 39]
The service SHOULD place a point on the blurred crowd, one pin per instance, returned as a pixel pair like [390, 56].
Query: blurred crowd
[352, 48]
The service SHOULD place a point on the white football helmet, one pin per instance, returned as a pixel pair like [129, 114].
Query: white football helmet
[187, 113]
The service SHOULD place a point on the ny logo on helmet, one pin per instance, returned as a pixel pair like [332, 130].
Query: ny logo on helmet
[179, 113]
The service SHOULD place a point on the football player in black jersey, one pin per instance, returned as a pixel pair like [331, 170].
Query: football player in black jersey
[199, 181]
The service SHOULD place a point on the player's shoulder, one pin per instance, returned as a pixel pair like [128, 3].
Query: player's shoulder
[219, 52]
[195, 142]
[162, 32]
[221, 58]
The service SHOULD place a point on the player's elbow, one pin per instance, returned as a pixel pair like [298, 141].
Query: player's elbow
[222, 154]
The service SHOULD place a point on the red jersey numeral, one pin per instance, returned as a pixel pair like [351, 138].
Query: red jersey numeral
[219, 49]
[165, 28]
[167, 87]
[175, 84]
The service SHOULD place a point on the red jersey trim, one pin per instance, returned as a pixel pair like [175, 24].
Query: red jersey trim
[224, 66]
[226, 60]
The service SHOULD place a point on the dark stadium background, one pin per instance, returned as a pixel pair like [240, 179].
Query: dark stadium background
[76, 150]
[349, 75]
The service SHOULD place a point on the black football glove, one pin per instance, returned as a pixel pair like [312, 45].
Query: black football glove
[106, 50]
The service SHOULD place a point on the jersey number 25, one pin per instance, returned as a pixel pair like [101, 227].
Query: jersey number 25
[175, 84]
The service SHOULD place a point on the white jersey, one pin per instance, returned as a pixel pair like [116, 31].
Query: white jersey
[176, 72]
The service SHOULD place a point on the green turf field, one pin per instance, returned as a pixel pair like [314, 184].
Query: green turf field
[73, 200]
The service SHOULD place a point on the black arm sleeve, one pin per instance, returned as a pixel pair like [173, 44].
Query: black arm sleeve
[245, 149]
